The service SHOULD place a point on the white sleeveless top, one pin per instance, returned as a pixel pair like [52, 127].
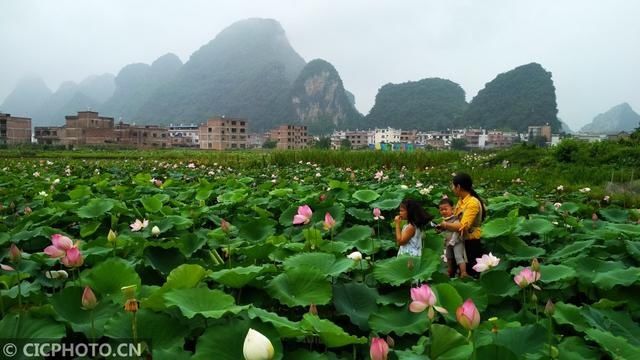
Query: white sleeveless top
[414, 246]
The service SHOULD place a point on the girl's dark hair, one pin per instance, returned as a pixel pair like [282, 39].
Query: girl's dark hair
[416, 214]
[465, 182]
[446, 201]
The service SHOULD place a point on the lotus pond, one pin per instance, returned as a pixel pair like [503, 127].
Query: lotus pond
[188, 256]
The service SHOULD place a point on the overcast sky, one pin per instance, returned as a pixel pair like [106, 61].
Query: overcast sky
[591, 47]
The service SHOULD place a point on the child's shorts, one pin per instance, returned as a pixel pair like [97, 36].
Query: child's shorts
[457, 252]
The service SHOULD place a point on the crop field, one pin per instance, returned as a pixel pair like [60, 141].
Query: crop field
[185, 254]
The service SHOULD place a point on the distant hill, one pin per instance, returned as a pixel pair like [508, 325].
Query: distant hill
[514, 100]
[29, 94]
[246, 71]
[618, 118]
[428, 104]
[136, 83]
[319, 100]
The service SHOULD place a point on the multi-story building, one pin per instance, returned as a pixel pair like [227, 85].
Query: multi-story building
[182, 135]
[408, 136]
[387, 136]
[255, 140]
[496, 139]
[359, 138]
[543, 131]
[88, 128]
[142, 136]
[14, 130]
[472, 137]
[290, 136]
[222, 133]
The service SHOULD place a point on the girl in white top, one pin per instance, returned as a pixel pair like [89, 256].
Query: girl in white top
[409, 237]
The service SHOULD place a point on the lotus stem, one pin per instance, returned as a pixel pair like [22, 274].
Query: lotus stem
[134, 328]
[93, 327]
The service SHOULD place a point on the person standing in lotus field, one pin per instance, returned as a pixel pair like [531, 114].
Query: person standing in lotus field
[471, 212]
[409, 236]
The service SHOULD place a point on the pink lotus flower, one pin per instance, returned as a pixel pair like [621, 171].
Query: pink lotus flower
[64, 249]
[139, 225]
[378, 176]
[423, 298]
[377, 214]
[468, 315]
[89, 300]
[379, 349]
[486, 262]
[6, 267]
[303, 216]
[329, 222]
[527, 277]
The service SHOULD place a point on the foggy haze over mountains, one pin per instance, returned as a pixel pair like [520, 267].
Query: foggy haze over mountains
[588, 46]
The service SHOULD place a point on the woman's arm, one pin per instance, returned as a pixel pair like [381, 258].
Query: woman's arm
[403, 237]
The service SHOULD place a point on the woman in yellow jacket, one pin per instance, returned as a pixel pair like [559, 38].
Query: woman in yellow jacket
[471, 212]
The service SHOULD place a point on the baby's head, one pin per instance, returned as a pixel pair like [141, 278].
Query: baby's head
[446, 207]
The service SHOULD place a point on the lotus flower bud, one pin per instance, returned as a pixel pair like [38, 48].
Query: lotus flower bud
[390, 341]
[313, 309]
[155, 231]
[89, 301]
[379, 349]
[27, 211]
[131, 305]
[14, 254]
[468, 315]
[535, 265]
[356, 255]
[550, 308]
[225, 226]
[112, 237]
[257, 346]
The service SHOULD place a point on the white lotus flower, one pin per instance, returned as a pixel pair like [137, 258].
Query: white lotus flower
[155, 231]
[257, 346]
[585, 190]
[557, 205]
[139, 225]
[560, 188]
[356, 255]
[486, 262]
[56, 274]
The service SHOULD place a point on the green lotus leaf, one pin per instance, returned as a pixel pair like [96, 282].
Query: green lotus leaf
[405, 269]
[627, 229]
[163, 259]
[329, 333]
[354, 234]
[575, 348]
[109, 276]
[569, 207]
[256, 230]
[325, 263]
[30, 327]
[95, 208]
[68, 305]
[357, 301]
[237, 277]
[398, 320]
[361, 214]
[447, 297]
[571, 250]
[164, 331]
[495, 352]
[569, 314]
[633, 248]
[473, 291]
[225, 341]
[616, 346]
[447, 342]
[616, 322]
[386, 204]
[300, 287]
[615, 215]
[151, 203]
[184, 276]
[88, 228]
[553, 273]
[365, 196]
[496, 228]
[498, 283]
[233, 197]
[286, 328]
[535, 226]
[209, 303]
[527, 339]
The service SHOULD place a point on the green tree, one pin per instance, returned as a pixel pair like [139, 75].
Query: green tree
[323, 143]
[458, 144]
[345, 144]
[270, 144]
